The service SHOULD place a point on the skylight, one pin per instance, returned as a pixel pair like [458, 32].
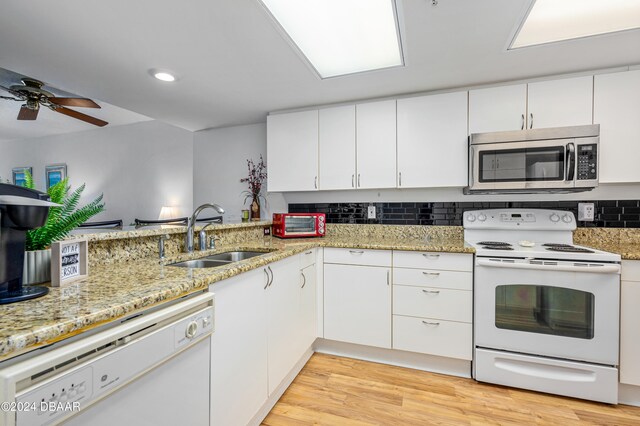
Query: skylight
[556, 20]
[341, 37]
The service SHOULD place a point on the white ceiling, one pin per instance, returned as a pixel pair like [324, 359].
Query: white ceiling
[234, 65]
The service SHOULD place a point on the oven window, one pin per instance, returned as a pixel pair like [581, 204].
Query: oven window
[545, 310]
[299, 224]
[522, 165]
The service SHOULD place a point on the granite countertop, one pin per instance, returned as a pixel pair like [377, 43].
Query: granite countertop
[628, 251]
[102, 234]
[120, 289]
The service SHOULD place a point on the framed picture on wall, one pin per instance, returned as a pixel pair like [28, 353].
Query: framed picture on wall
[55, 173]
[19, 173]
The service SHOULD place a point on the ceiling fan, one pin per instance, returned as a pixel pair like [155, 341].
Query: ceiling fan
[33, 95]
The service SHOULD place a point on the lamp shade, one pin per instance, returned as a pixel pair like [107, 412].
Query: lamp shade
[168, 212]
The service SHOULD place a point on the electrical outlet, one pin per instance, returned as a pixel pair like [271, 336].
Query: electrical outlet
[586, 211]
[371, 212]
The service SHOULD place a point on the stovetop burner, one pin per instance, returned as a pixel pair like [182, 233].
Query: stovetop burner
[494, 243]
[500, 247]
[570, 249]
[556, 245]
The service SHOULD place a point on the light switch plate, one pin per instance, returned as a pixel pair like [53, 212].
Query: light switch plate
[586, 211]
[371, 212]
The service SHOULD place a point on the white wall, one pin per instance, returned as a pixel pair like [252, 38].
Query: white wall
[220, 161]
[139, 167]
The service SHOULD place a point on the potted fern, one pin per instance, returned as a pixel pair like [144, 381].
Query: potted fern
[60, 222]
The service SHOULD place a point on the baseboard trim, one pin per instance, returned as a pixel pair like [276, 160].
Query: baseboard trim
[275, 396]
[431, 363]
[629, 395]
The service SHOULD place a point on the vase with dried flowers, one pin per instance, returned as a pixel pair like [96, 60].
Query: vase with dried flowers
[255, 180]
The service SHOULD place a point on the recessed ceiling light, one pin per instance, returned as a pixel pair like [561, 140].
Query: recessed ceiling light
[164, 76]
[341, 37]
[556, 20]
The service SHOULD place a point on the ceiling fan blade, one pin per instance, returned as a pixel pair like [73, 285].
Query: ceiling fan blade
[74, 102]
[80, 116]
[13, 92]
[27, 114]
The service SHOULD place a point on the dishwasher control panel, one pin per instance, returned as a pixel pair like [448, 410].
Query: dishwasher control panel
[130, 356]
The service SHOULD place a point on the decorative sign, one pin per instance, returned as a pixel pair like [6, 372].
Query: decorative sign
[68, 261]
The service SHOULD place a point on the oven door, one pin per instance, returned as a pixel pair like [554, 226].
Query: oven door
[559, 309]
[523, 165]
[301, 226]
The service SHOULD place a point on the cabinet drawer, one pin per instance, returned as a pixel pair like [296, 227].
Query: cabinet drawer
[357, 257]
[630, 270]
[432, 336]
[431, 260]
[307, 258]
[433, 278]
[453, 305]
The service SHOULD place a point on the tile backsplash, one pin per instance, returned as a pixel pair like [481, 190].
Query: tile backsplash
[608, 213]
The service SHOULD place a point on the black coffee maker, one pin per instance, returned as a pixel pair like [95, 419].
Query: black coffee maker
[21, 209]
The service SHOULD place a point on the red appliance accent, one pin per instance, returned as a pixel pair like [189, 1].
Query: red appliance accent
[297, 225]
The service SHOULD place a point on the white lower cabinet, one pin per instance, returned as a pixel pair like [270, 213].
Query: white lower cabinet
[308, 309]
[357, 304]
[629, 321]
[264, 322]
[283, 310]
[432, 308]
[239, 384]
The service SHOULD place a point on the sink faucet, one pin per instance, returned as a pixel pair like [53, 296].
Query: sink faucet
[191, 223]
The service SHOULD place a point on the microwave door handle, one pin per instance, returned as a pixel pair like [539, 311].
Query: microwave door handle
[571, 161]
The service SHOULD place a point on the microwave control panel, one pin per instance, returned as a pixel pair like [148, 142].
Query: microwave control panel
[588, 162]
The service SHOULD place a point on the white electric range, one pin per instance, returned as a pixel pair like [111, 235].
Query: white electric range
[546, 312]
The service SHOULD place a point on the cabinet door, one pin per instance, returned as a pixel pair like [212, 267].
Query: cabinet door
[308, 308]
[337, 147]
[629, 332]
[283, 311]
[617, 108]
[239, 349]
[432, 141]
[292, 151]
[357, 304]
[497, 109]
[558, 103]
[376, 144]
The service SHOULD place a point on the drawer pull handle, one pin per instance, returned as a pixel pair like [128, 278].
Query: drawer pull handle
[430, 323]
[431, 291]
[309, 252]
[356, 251]
[432, 274]
[431, 256]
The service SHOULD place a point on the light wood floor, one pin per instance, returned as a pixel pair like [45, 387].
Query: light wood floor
[342, 391]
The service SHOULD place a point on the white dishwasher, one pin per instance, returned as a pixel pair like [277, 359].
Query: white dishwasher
[151, 369]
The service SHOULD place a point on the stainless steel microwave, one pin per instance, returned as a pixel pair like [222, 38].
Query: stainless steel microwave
[561, 159]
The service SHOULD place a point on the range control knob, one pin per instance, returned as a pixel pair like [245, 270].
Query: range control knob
[192, 329]
[205, 322]
[471, 217]
[566, 218]
[554, 218]
[482, 217]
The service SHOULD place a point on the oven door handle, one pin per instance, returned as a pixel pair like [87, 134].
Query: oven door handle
[571, 161]
[599, 269]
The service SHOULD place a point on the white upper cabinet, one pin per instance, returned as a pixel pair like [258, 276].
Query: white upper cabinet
[558, 103]
[553, 103]
[337, 147]
[497, 109]
[616, 109]
[432, 141]
[292, 151]
[376, 144]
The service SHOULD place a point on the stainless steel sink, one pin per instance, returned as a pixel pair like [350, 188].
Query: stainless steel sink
[200, 263]
[235, 256]
[216, 260]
